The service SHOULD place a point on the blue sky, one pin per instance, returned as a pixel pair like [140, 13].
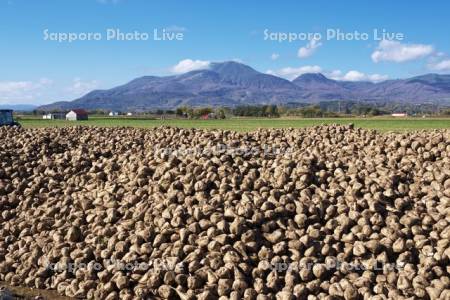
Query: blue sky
[35, 70]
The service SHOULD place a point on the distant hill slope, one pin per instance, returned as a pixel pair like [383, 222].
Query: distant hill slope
[232, 83]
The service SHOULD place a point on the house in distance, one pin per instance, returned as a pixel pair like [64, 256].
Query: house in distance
[77, 115]
[399, 115]
[54, 116]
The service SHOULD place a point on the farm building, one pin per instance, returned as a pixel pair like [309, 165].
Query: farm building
[77, 115]
[129, 114]
[54, 116]
[399, 115]
[209, 116]
[113, 114]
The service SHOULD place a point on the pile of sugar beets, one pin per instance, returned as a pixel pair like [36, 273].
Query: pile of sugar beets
[328, 212]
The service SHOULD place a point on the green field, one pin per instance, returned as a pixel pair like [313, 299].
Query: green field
[249, 124]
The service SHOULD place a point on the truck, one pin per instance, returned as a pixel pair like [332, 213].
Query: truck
[6, 118]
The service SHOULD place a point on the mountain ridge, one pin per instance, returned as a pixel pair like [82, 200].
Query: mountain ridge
[232, 83]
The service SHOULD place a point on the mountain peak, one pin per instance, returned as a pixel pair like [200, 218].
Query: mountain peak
[232, 69]
[308, 77]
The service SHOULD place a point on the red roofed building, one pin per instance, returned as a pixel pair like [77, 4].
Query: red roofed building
[77, 115]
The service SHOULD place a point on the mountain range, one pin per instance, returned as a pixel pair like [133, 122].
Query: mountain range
[232, 84]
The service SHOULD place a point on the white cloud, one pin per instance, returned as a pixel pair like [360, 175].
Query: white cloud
[274, 56]
[443, 65]
[43, 90]
[187, 65]
[45, 81]
[291, 73]
[398, 52]
[335, 74]
[309, 49]
[354, 75]
[238, 60]
[22, 86]
[80, 87]
[20, 92]
[15, 86]
[377, 77]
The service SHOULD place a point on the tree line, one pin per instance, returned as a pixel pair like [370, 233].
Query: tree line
[322, 109]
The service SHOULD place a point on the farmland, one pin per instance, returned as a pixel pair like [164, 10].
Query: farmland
[164, 213]
[249, 124]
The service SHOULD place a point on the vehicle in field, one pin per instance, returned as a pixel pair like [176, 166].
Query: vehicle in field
[6, 118]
